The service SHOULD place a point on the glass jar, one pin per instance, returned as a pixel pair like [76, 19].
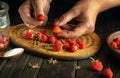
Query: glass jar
[4, 25]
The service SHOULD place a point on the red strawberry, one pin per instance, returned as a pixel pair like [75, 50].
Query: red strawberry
[73, 48]
[56, 29]
[66, 46]
[52, 39]
[108, 73]
[96, 65]
[40, 17]
[58, 41]
[44, 38]
[29, 34]
[113, 44]
[1, 46]
[78, 40]
[117, 40]
[81, 44]
[42, 32]
[57, 47]
[70, 41]
[4, 40]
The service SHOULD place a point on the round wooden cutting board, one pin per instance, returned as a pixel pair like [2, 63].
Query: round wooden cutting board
[92, 40]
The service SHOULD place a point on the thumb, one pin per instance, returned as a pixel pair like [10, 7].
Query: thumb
[67, 17]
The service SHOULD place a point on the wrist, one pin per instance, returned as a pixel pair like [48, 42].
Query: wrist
[107, 4]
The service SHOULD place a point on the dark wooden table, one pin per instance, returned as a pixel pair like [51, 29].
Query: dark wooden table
[107, 22]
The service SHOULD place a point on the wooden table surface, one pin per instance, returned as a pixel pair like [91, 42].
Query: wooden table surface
[107, 22]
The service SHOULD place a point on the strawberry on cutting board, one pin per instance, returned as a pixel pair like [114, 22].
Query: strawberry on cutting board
[28, 34]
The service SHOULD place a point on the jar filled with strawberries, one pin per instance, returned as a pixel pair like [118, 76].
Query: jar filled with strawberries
[4, 25]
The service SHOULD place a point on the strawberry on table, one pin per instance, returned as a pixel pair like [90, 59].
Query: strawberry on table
[96, 65]
[108, 73]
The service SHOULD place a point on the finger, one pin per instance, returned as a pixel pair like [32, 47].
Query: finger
[24, 12]
[66, 34]
[38, 8]
[78, 31]
[67, 27]
[29, 26]
[68, 16]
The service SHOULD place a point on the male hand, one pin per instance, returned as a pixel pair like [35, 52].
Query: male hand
[85, 13]
[31, 8]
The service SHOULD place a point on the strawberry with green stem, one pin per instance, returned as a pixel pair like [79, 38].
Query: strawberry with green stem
[96, 65]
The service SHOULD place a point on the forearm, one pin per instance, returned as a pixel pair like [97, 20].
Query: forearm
[107, 4]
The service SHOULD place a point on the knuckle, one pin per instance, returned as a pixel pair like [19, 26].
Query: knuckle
[90, 27]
